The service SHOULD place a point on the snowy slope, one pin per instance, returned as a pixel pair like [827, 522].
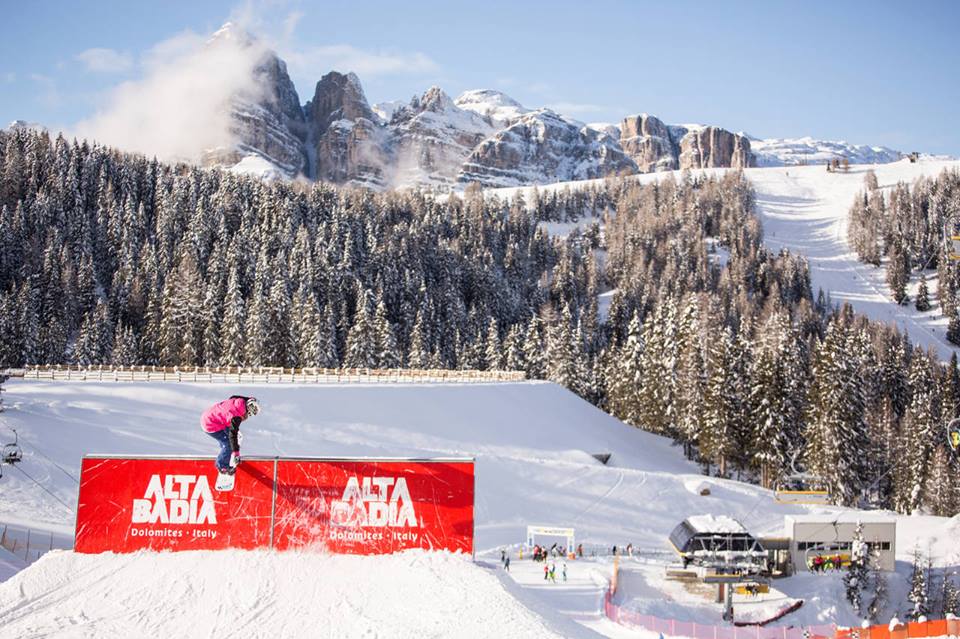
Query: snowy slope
[804, 209]
[807, 150]
[532, 441]
[263, 594]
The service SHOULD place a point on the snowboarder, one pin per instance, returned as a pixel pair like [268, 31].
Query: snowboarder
[564, 572]
[506, 563]
[222, 422]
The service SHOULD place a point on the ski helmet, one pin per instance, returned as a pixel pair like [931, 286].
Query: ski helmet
[253, 407]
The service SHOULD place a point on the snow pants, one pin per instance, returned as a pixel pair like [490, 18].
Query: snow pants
[223, 459]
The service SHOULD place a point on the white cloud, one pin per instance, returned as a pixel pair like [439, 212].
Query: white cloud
[365, 63]
[180, 107]
[100, 60]
[9, 77]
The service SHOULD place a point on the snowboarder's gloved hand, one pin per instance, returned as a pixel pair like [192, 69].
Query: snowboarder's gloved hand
[235, 459]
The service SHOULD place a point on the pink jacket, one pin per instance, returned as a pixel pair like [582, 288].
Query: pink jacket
[218, 416]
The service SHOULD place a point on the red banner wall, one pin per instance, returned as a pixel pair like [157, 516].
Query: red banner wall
[343, 506]
[372, 507]
[171, 504]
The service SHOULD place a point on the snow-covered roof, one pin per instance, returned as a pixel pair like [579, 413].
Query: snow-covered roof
[715, 524]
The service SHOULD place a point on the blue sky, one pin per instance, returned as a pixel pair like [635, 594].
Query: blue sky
[869, 72]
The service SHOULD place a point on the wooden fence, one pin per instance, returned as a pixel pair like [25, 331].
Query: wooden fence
[260, 375]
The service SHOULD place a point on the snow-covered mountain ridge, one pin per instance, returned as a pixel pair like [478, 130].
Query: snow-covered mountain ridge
[482, 136]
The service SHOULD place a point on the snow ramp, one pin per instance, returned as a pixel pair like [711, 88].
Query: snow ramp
[263, 593]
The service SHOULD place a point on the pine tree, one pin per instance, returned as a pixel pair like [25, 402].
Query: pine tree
[878, 602]
[721, 407]
[951, 595]
[857, 576]
[919, 592]
[124, 347]
[836, 436]
[922, 303]
[493, 354]
[419, 355]
[232, 326]
[533, 349]
[361, 339]
[388, 355]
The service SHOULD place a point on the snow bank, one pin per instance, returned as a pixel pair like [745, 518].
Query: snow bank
[264, 594]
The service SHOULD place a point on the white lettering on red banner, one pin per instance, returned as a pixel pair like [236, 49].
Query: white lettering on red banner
[176, 499]
[374, 501]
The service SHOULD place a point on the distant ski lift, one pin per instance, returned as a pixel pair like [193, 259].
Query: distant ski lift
[951, 236]
[801, 488]
[953, 250]
[12, 453]
[831, 554]
[953, 436]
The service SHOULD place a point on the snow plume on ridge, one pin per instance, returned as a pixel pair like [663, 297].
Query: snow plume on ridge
[180, 106]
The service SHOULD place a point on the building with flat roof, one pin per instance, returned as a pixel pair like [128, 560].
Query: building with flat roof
[827, 539]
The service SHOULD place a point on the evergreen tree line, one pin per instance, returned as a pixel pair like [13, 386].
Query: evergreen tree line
[909, 230]
[708, 337]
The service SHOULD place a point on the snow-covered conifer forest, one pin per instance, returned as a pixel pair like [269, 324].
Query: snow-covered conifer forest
[709, 337]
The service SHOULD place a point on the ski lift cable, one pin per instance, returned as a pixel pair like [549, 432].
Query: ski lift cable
[37, 450]
[61, 468]
[45, 489]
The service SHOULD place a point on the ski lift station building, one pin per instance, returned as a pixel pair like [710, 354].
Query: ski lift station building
[831, 534]
[719, 543]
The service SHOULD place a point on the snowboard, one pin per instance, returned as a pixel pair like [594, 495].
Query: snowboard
[225, 482]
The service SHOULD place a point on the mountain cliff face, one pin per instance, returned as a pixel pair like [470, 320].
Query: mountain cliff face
[265, 119]
[483, 136]
[345, 135]
[543, 147]
[647, 141]
[432, 137]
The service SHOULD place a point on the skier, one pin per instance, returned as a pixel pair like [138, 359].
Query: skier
[222, 422]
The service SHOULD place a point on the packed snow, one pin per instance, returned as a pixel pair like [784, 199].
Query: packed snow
[414, 594]
[533, 442]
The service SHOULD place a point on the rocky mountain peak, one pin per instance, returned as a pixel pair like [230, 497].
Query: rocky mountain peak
[232, 32]
[496, 105]
[337, 97]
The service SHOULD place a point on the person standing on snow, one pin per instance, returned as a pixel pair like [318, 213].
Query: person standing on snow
[222, 422]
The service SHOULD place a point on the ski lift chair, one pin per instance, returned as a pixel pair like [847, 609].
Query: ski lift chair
[953, 248]
[12, 453]
[801, 488]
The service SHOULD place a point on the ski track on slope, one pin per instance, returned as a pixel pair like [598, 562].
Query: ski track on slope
[805, 209]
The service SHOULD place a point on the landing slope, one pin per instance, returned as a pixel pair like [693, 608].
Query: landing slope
[263, 594]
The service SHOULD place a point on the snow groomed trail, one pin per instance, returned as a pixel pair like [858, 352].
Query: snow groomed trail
[805, 209]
